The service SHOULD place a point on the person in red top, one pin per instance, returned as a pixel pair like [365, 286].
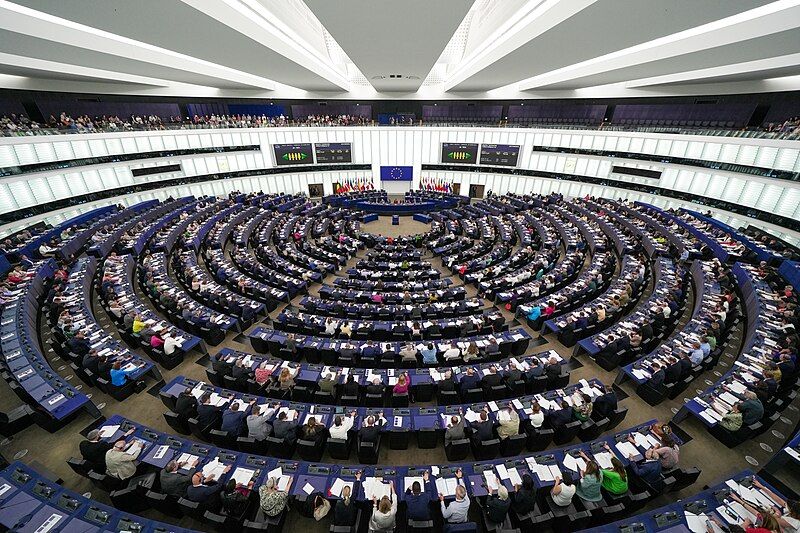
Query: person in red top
[401, 387]
[262, 373]
[550, 309]
[156, 341]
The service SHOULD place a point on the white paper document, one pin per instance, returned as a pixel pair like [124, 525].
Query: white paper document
[243, 475]
[446, 486]
[108, 431]
[214, 468]
[339, 485]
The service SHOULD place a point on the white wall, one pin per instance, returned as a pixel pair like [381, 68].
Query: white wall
[413, 146]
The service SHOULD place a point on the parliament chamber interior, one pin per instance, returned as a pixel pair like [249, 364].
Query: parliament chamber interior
[465, 266]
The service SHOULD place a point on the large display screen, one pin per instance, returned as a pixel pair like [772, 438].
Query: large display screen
[397, 173]
[333, 152]
[505, 155]
[464, 153]
[293, 154]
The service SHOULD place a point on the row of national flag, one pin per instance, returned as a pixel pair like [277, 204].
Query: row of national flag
[435, 184]
[355, 184]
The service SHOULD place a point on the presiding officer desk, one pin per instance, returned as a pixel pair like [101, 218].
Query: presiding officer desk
[32, 503]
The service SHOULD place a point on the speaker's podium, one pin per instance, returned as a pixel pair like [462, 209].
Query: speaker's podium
[395, 220]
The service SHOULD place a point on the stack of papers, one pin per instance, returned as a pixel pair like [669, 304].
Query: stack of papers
[576, 464]
[492, 483]
[213, 468]
[547, 472]
[376, 488]
[108, 431]
[627, 449]
[603, 459]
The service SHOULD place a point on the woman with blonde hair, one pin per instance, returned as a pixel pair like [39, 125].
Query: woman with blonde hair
[344, 514]
[271, 500]
[384, 512]
[285, 379]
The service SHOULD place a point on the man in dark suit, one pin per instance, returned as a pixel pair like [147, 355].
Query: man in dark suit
[186, 404]
[93, 450]
[209, 416]
[648, 471]
[552, 370]
[233, 420]
[91, 362]
[536, 368]
[513, 374]
[686, 365]
[285, 429]
[605, 404]
[375, 387]
[446, 383]
[205, 490]
[482, 429]
[371, 429]
[219, 366]
[560, 417]
[492, 379]
[469, 380]
[350, 387]
[79, 345]
[672, 372]
[657, 377]
[646, 331]
[492, 349]
[174, 482]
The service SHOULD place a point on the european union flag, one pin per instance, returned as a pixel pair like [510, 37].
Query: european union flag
[397, 173]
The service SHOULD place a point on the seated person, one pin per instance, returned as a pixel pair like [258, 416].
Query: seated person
[342, 425]
[258, 426]
[418, 500]
[482, 429]
[563, 490]
[312, 430]
[233, 420]
[174, 482]
[285, 429]
[371, 429]
[205, 490]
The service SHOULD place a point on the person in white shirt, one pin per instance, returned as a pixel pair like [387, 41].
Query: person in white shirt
[341, 425]
[452, 353]
[330, 327]
[457, 511]
[171, 342]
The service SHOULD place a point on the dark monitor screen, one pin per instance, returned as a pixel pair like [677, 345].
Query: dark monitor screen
[293, 154]
[333, 152]
[505, 155]
[463, 153]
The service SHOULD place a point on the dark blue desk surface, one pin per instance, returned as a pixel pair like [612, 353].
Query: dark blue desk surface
[31, 500]
[20, 348]
[672, 517]
[311, 372]
[414, 418]
[171, 446]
